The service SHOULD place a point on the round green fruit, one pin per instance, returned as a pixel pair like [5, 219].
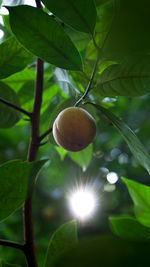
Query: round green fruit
[74, 129]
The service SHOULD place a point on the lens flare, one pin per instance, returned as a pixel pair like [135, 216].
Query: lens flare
[83, 202]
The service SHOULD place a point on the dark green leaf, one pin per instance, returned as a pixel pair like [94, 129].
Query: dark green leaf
[103, 251]
[44, 37]
[8, 115]
[129, 228]
[6, 264]
[129, 34]
[79, 14]
[129, 136]
[83, 157]
[16, 181]
[64, 239]
[13, 57]
[140, 195]
[130, 78]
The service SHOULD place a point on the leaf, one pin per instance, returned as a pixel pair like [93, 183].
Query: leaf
[6, 264]
[17, 80]
[16, 182]
[129, 136]
[82, 158]
[13, 57]
[63, 240]
[106, 251]
[81, 15]
[129, 34]
[8, 115]
[61, 77]
[62, 152]
[140, 195]
[128, 227]
[58, 171]
[129, 78]
[44, 37]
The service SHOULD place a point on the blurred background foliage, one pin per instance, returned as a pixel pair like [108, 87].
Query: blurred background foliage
[108, 154]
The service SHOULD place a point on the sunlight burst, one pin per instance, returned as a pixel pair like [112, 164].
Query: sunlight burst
[82, 202]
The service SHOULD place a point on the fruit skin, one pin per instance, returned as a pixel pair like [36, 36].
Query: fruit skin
[74, 129]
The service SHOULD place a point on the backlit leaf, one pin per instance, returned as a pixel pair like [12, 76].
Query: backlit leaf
[140, 195]
[13, 57]
[128, 227]
[8, 116]
[79, 14]
[129, 78]
[129, 136]
[16, 182]
[44, 37]
[63, 240]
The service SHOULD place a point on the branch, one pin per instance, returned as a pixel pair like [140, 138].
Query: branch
[90, 82]
[15, 107]
[44, 143]
[32, 154]
[12, 244]
[45, 134]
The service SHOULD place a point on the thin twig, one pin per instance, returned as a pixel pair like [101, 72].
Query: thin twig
[12, 244]
[44, 143]
[45, 134]
[15, 107]
[94, 42]
[90, 82]
[97, 61]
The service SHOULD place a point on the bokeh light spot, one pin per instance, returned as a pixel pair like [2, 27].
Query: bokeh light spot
[112, 177]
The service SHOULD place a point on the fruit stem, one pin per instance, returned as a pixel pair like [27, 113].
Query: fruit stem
[90, 82]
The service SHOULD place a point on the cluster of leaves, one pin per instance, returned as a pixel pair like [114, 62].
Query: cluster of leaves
[66, 36]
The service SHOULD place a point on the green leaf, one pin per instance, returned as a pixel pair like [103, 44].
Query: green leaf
[44, 37]
[61, 151]
[8, 115]
[82, 158]
[129, 34]
[130, 78]
[63, 240]
[16, 182]
[13, 57]
[17, 80]
[6, 264]
[81, 15]
[103, 251]
[61, 77]
[140, 195]
[129, 136]
[129, 228]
